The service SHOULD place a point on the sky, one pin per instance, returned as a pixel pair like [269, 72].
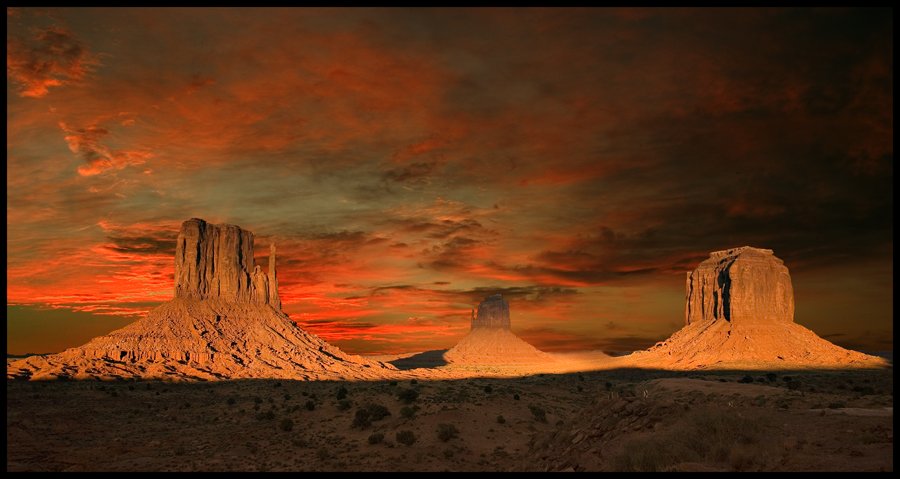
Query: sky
[408, 163]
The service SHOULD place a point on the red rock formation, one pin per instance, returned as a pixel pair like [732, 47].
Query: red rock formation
[740, 285]
[493, 312]
[739, 313]
[216, 262]
[490, 341]
[224, 322]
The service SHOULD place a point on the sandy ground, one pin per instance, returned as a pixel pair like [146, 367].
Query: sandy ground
[606, 420]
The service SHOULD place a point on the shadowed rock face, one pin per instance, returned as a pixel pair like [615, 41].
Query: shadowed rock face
[216, 262]
[740, 285]
[492, 313]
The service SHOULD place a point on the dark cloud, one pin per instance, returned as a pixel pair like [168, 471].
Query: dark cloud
[440, 229]
[48, 58]
[150, 245]
[413, 173]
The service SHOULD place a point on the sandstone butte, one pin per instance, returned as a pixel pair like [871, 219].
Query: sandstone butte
[739, 314]
[224, 322]
[490, 341]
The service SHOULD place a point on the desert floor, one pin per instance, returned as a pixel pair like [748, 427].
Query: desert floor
[615, 419]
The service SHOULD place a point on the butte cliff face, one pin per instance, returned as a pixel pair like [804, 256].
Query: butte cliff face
[225, 322]
[216, 262]
[490, 341]
[740, 285]
[739, 312]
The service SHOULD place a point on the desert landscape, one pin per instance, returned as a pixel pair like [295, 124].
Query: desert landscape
[453, 239]
[749, 391]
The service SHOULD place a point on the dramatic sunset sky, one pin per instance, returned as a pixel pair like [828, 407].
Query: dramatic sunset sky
[409, 162]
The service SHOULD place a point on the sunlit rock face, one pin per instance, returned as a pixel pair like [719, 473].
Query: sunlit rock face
[216, 262]
[741, 285]
[740, 314]
[492, 313]
[225, 322]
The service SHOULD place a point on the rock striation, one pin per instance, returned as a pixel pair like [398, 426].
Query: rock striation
[739, 313]
[490, 341]
[216, 262]
[224, 322]
[740, 285]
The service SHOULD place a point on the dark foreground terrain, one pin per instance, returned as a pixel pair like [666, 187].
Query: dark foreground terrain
[604, 420]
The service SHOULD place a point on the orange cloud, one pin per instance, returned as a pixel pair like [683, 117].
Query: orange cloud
[99, 158]
[50, 58]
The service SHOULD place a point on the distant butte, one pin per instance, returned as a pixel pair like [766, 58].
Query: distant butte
[224, 322]
[490, 341]
[739, 312]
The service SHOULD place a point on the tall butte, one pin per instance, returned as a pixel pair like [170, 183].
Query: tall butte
[224, 322]
[739, 313]
[490, 340]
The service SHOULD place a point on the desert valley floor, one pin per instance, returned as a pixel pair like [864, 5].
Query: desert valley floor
[613, 419]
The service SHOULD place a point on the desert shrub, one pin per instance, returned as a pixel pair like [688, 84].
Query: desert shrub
[793, 385]
[286, 424]
[392, 383]
[647, 455]
[836, 405]
[341, 393]
[581, 377]
[361, 419]
[371, 412]
[414, 381]
[257, 400]
[864, 390]
[310, 405]
[180, 450]
[608, 385]
[265, 416]
[771, 377]
[446, 432]
[501, 420]
[746, 379]
[287, 397]
[407, 412]
[230, 401]
[277, 385]
[376, 438]
[787, 379]
[538, 412]
[408, 396]
[488, 389]
[299, 442]
[579, 388]
[405, 437]
[516, 397]
[343, 405]
[377, 412]
[703, 436]
[323, 454]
